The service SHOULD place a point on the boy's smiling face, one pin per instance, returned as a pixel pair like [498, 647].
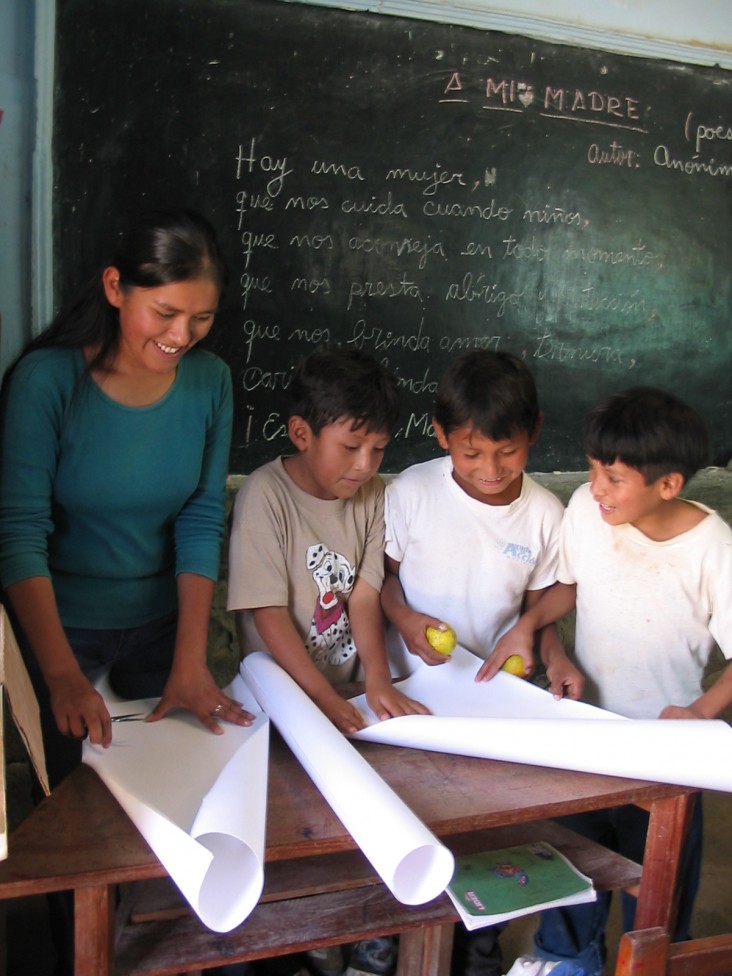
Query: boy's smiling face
[623, 495]
[336, 462]
[487, 470]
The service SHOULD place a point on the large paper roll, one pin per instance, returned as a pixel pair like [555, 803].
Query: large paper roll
[198, 799]
[412, 862]
[509, 719]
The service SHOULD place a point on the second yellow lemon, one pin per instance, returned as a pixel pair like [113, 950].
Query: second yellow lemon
[514, 665]
[442, 641]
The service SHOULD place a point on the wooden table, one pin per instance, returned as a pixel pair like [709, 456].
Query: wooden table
[319, 889]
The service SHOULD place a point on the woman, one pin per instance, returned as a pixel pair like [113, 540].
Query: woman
[115, 441]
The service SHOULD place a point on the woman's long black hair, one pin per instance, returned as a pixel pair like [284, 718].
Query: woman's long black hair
[161, 247]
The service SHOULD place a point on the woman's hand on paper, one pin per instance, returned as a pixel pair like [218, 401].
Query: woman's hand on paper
[194, 689]
[79, 709]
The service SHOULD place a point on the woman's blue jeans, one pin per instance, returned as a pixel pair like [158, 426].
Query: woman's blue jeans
[138, 660]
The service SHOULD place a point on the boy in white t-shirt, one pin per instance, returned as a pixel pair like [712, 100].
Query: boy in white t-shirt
[651, 576]
[471, 541]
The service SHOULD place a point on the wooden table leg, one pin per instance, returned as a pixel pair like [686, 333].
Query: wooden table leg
[667, 830]
[426, 951]
[94, 931]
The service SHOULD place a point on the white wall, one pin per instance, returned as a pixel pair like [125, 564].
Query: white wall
[694, 31]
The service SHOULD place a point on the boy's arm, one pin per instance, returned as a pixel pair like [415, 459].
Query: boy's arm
[367, 627]
[283, 642]
[565, 679]
[554, 603]
[709, 705]
[410, 624]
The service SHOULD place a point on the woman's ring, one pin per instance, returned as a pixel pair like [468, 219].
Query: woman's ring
[218, 708]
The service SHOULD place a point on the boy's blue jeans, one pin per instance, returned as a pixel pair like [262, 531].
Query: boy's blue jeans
[578, 933]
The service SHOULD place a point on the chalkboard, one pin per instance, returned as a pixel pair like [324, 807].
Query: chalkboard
[414, 190]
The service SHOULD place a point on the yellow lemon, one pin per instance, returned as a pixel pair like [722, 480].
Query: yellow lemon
[442, 641]
[514, 665]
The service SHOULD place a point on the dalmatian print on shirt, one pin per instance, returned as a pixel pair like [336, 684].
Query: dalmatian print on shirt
[329, 640]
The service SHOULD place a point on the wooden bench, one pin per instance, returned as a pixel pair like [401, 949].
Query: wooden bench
[315, 901]
[649, 952]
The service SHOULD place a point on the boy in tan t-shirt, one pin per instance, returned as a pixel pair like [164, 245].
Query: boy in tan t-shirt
[306, 565]
[306, 558]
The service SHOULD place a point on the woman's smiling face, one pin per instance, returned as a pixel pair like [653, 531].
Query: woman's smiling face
[159, 325]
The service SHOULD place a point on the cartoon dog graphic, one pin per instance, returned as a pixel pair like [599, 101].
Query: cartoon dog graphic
[330, 637]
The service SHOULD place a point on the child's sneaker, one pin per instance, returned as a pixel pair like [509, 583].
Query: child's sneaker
[373, 956]
[328, 961]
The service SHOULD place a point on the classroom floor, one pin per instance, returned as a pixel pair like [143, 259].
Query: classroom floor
[29, 952]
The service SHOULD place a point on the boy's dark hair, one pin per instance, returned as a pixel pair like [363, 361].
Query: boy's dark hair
[491, 391]
[329, 386]
[648, 430]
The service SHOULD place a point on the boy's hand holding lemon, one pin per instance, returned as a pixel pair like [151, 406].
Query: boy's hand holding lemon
[514, 665]
[441, 639]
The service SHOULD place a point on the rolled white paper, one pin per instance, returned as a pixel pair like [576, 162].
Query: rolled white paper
[198, 799]
[509, 719]
[412, 862]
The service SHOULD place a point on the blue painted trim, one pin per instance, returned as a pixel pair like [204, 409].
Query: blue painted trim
[42, 192]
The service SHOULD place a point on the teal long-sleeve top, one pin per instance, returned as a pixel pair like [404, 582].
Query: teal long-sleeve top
[112, 502]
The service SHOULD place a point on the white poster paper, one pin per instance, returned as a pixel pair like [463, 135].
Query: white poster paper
[508, 718]
[198, 799]
[412, 862]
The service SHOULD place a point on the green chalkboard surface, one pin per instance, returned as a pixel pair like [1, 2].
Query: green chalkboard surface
[414, 190]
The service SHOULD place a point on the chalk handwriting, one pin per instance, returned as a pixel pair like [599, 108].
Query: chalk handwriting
[554, 215]
[456, 344]
[478, 289]
[663, 157]
[264, 164]
[320, 168]
[385, 247]
[706, 133]
[312, 286]
[365, 336]
[255, 377]
[253, 331]
[315, 242]
[521, 251]
[273, 427]
[251, 242]
[491, 211]
[252, 201]
[314, 337]
[385, 208]
[549, 348]
[403, 288]
[253, 283]
[637, 254]
[474, 249]
[433, 180]
[417, 425]
[613, 155]
[519, 95]
[307, 203]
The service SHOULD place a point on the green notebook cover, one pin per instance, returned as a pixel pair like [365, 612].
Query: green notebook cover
[493, 886]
